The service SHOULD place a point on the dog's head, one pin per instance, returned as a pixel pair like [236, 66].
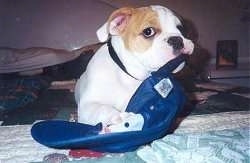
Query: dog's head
[149, 33]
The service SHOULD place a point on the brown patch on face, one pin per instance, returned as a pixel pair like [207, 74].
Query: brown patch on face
[137, 20]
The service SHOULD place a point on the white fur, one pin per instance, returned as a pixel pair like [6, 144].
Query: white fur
[104, 90]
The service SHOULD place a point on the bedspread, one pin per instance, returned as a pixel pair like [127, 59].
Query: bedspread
[199, 138]
[215, 129]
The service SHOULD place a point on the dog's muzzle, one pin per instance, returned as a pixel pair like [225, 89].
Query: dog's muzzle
[176, 42]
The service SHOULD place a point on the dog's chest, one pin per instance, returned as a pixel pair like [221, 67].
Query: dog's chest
[113, 85]
[125, 91]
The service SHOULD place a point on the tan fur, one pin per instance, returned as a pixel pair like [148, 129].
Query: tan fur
[136, 21]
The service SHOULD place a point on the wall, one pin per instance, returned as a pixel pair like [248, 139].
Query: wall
[249, 38]
[51, 23]
[68, 24]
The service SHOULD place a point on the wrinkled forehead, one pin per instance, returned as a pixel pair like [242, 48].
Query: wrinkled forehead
[166, 17]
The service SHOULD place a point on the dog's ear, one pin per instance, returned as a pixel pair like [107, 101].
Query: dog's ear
[102, 33]
[115, 24]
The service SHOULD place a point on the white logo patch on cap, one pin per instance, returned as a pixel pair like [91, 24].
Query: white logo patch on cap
[164, 87]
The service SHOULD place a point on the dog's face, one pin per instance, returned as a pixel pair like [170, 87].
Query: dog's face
[149, 33]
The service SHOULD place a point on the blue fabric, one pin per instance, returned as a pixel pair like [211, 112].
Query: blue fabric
[158, 113]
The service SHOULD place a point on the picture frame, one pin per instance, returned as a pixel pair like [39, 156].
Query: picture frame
[226, 54]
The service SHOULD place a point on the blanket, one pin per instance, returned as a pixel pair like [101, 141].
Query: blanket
[18, 92]
[18, 60]
[213, 110]
[196, 136]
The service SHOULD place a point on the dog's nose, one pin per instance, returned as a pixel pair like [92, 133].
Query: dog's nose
[176, 42]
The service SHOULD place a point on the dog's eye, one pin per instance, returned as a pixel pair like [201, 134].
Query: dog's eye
[148, 32]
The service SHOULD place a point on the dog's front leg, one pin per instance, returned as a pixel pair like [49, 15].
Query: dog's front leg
[93, 113]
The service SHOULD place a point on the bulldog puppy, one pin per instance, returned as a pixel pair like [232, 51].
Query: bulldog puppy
[144, 39]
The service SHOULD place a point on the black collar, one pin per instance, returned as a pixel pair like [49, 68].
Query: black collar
[116, 59]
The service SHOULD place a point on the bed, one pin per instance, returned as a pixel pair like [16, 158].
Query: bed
[214, 127]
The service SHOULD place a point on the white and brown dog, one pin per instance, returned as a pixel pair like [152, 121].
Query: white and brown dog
[144, 39]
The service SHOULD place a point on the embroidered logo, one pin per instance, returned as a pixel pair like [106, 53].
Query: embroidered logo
[164, 87]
